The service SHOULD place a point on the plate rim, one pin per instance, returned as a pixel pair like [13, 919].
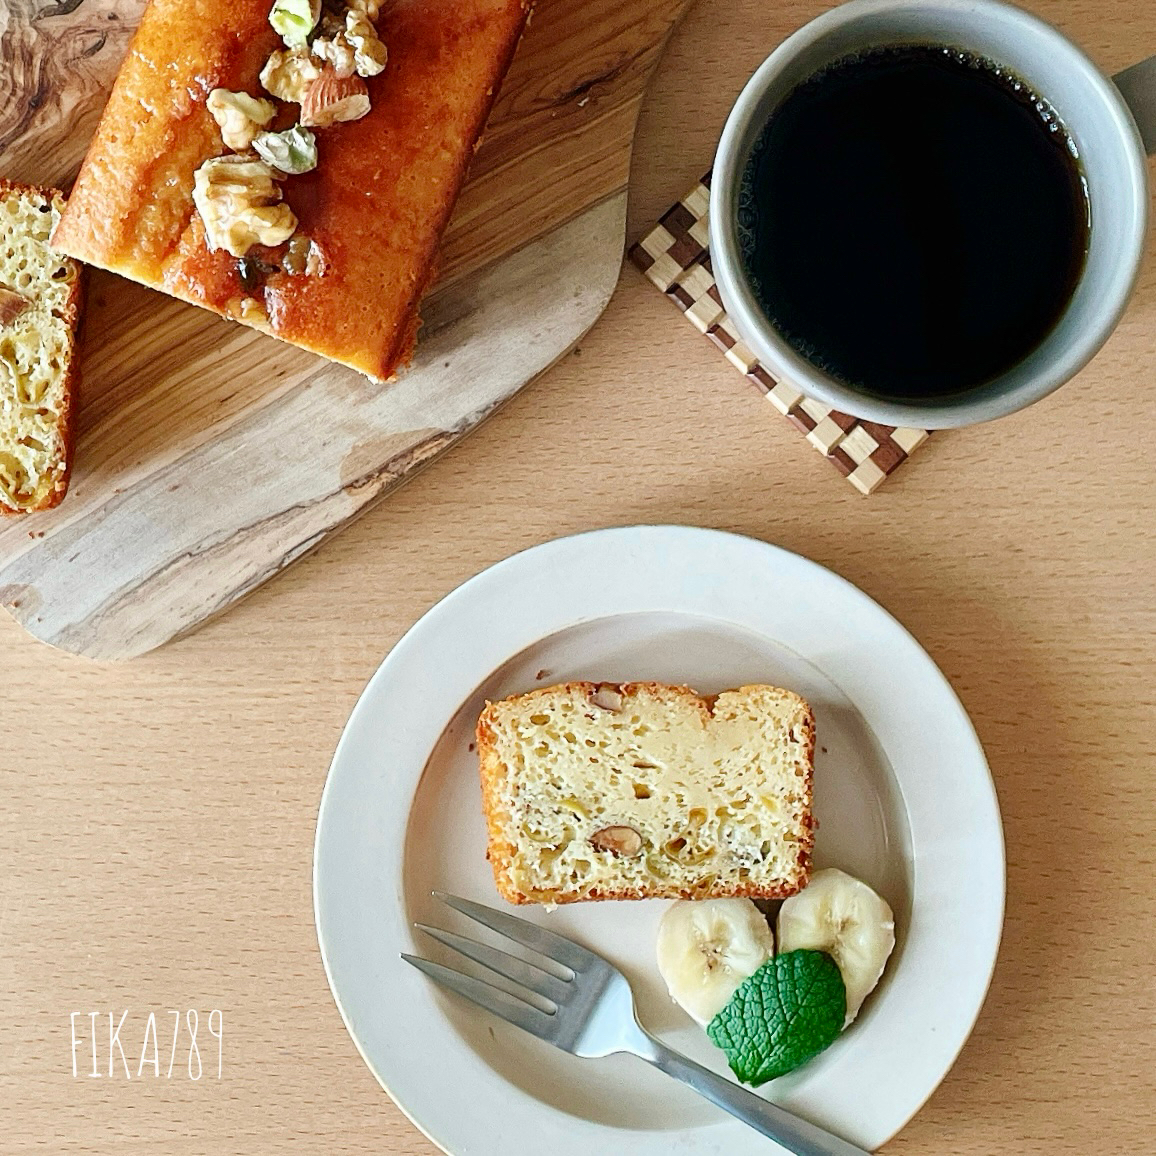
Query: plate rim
[699, 542]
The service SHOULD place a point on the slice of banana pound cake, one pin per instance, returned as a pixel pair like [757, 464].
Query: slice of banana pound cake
[644, 791]
[40, 303]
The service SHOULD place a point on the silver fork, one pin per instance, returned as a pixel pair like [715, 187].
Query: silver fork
[580, 1003]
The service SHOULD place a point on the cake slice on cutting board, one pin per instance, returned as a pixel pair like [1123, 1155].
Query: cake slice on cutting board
[293, 166]
[40, 304]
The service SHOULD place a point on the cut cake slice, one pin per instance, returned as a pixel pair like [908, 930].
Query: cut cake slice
[641, 791]
[372, 211]
[40, 304]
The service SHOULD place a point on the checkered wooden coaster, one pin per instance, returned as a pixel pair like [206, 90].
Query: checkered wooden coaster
[674, 256]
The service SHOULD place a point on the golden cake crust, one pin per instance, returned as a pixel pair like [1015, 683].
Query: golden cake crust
[376, 205]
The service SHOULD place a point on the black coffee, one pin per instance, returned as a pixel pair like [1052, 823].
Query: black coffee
[914, 221]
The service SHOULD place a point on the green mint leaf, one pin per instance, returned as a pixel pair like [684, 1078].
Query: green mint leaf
[782, 1016]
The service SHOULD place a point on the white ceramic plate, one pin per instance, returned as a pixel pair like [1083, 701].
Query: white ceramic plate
[903, 797]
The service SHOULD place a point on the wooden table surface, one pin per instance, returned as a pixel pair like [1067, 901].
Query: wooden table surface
[156, 833]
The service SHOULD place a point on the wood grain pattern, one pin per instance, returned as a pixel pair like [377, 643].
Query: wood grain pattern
[57, 61]
[157, 830]
[559, 138]
[210, 457]
[189, 541]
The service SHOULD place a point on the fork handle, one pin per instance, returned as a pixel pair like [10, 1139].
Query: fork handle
[798, 1136]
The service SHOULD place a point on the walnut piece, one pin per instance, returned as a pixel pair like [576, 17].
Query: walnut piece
[368, 8]
[331, 23]
[355, 48]
[332, 98]
[369, 54]
[617, 840]
[240, 116]
[12, 305]
[288, 74]
[240, 205]
[337, 51]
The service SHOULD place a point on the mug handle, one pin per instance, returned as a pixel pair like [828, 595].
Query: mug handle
[1137, 86]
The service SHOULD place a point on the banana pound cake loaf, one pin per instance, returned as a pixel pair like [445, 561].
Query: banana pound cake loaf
[645, 791]
[290, 164]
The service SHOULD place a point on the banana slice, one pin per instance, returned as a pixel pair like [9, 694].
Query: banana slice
[706, 948]
[841, 915]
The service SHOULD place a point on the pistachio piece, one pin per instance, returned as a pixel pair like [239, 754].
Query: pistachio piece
[619, 840]
[537, 835]
[293, 151]
[294, 20]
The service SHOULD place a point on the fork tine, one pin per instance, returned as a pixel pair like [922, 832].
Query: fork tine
[546, 943]
[522, 972]
[502, 1004]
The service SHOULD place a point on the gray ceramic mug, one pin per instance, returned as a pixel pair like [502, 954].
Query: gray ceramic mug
[1112, 122]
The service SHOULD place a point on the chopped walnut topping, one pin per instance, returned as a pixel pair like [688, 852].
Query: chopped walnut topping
[332, 20]
[288, 74]
[338, 51]
[355, 48]
[235, 196]
[332, 98]
[240, 205]
[240, 116]
[369, 55]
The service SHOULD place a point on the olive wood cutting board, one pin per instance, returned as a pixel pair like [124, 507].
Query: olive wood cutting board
[210, 456]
